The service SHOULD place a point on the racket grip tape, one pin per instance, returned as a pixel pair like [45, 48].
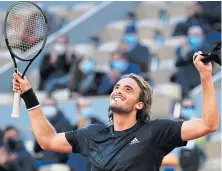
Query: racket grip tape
[16, 106]
[30, 99]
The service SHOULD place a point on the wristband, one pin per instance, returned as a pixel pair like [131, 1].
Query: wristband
[30, 99]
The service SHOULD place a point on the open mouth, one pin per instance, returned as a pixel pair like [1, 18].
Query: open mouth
[118, 98]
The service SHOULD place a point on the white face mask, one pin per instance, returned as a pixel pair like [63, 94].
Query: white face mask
[49, 111]
[59, 48]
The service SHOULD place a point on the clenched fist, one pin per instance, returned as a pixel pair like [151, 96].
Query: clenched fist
[205, 70]
[20, 85]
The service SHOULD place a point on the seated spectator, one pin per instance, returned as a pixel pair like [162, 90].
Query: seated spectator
[55, 66]
[16, 156]
[213, 18]
[85, 115]
[54, 22]
[3, 158]
[119, 66]
[84, 79]
[186, 74]
[3, 154]
[136, 53]
[61, 124]
[200, 13]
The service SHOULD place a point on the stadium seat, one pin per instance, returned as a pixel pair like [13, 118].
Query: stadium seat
[59, 10]
[161, 76]
[83, 49]
[101, 58]
[165, 52]
[148, 10]
[156, 110]
[113, 31]
[78, 10]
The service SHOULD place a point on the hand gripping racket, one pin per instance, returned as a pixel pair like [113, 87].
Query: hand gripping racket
[25, 37]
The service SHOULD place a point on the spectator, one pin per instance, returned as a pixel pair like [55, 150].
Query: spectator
[3, 158]
[213, 18]
[60, 123]
[17, 156]
[136, 53]
[191, 157]
[85, 113]
[55, 66]
[54, 22]
[200, 13]
[119, 65]
[186, 74]
[85, 116]
[84, 78]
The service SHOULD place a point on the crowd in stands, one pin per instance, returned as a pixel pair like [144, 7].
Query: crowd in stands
[15, 156]
[201, 30]
[62, 68]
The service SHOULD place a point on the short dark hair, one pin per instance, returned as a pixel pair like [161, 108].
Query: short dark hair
[142, 115]
[10, 127]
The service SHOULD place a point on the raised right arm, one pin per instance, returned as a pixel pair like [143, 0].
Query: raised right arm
[46, 135]
[44, 132]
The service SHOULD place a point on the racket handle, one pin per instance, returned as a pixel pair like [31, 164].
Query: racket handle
[16, 106]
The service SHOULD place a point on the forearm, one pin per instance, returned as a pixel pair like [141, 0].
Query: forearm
[210, 110]
[43, 130]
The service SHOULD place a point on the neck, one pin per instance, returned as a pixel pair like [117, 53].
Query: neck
[123, 121]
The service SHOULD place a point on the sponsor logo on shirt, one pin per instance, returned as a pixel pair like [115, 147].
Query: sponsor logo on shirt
[134, 141]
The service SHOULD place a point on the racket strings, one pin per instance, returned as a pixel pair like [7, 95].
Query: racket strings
[26, 30]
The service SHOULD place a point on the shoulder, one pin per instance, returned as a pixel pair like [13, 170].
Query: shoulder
[133, 66]
[95, 128]
[162, 123]
[142, 46]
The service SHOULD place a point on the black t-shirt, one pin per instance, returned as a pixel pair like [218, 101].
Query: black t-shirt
[139, 148]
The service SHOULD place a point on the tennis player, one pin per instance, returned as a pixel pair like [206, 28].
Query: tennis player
[133, 142]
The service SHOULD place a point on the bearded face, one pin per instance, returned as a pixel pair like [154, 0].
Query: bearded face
[124, 96]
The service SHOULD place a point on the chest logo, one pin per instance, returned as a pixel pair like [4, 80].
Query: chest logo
[134, 141]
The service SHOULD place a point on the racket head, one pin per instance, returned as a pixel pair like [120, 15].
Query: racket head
[25, 30]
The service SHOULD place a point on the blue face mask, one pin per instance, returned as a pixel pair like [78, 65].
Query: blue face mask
[87, 67]
[119, 65]
[86, 112]
[194, 42]
[188, 112]
[130, 40]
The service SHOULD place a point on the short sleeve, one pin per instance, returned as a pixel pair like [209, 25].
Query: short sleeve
[78, 140]
[169, 134]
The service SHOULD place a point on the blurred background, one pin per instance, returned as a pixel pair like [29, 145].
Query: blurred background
[90, 46]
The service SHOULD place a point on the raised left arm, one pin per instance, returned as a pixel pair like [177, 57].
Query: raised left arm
[209, 122]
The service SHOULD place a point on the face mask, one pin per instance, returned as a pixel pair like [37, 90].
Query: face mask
[87, 67]
[12, 144]
[49, 111]
[130, 40]
[194, 42]
[119, 65]
[188, 112]
[86, 112]
[164, 17]
[59, 48]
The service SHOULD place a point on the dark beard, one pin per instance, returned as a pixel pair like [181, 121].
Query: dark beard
[119, 110]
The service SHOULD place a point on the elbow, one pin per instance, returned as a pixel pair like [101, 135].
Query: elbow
[211, 128]
[44, 145]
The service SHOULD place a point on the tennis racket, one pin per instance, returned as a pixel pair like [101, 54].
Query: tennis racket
[25, 37]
